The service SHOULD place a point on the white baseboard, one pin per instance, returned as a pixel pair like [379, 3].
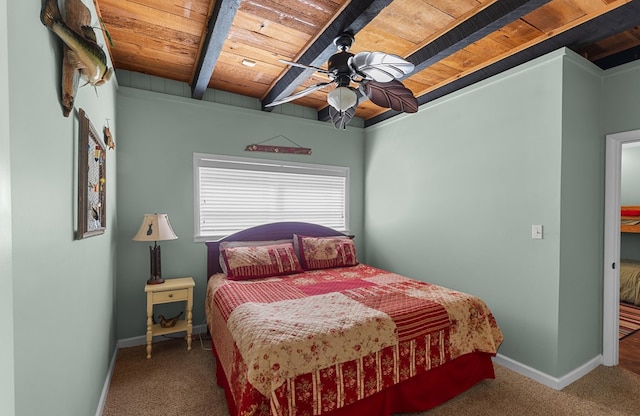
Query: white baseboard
[547, 380]
[142, 339]
[107, 382]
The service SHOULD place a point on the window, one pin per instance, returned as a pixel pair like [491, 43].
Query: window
[234, 193]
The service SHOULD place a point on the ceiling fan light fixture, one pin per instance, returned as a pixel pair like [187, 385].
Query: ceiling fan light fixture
[342, 98]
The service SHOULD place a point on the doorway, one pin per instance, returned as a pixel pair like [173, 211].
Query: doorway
[611, 272]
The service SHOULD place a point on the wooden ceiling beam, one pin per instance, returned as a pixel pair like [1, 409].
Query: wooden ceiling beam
[619, 58]
[608, 24]
[352, 19]
[476, 27]
[218, 27]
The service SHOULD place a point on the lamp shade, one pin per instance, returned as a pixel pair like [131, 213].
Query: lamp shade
[342, 98]
[155, 227]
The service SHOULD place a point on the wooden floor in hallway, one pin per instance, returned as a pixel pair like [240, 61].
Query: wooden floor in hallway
[629, 354]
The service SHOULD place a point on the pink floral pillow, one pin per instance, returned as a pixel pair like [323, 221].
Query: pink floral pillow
[244, 263]
[227, 244]
[326, 252]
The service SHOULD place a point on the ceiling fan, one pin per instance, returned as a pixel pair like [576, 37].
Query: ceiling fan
[376, 73]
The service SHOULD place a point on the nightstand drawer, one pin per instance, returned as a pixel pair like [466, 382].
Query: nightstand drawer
[170, 295]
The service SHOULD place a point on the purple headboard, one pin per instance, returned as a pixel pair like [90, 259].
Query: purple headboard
[266, 232]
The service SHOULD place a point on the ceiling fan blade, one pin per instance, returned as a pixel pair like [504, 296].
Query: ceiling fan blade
[340, 119]
[299, 94]
[315, 68]
[392, 94]
[380, 66]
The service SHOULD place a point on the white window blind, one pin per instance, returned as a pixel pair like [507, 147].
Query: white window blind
[235, 193]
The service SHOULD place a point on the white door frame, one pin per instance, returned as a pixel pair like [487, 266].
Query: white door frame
[611, 272]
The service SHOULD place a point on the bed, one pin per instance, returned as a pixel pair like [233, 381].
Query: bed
[630, 219]
[630, 269]
[630, 281]
[300, 327]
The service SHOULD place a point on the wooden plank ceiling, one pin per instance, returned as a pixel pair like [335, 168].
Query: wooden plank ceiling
[453, 43]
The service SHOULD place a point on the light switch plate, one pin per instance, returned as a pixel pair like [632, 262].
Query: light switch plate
[536, 232]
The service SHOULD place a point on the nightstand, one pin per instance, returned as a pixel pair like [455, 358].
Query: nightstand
[172, 290]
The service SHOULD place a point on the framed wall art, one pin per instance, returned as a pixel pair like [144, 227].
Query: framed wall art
[92, 180]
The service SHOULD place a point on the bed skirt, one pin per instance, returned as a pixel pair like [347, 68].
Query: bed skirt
[422, 392]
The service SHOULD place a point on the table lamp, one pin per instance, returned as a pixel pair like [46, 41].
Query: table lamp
[155, 227]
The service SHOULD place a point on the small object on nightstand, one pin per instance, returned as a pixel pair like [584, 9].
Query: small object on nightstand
[172, 290]
[169, 322]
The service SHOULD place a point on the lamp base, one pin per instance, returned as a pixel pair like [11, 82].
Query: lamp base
[156, 274]
[155, 280]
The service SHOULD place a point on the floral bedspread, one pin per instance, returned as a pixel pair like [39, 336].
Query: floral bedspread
[313, 342]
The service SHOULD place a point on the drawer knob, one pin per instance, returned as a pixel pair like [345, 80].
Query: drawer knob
[170, 295]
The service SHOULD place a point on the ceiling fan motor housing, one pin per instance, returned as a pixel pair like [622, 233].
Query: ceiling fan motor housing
[339, 65]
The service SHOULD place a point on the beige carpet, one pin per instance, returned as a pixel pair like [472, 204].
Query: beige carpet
[177, 382]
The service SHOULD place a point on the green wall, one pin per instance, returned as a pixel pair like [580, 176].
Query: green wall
[7, 390]
[620, 98]
[630, 195]
[630, 175]
[471, 173]
[157, 136]
[63, 289]
[582, 193]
